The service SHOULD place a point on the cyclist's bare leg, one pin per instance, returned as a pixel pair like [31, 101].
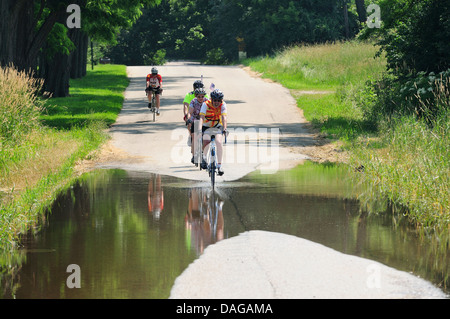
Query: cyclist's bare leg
[192, 143]
[207, 139]
[219, 148]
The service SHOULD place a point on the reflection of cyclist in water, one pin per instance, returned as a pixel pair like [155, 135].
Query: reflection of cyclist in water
[204, 219]
[155, 196]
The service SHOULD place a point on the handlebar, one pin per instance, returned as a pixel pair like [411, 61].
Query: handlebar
[224, 132]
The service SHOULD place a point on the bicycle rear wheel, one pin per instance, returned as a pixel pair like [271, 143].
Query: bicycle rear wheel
[198, 146]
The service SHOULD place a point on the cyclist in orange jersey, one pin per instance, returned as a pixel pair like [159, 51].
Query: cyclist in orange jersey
[213, 118]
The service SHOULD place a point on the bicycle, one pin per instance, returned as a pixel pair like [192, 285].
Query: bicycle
[211, 159]
[153, 108]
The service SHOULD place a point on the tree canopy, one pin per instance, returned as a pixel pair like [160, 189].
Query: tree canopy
[189, 29]
[34, 34]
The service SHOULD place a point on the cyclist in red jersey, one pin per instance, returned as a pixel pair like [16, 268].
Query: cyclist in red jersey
[154, 86]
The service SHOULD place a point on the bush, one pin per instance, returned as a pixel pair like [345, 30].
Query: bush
[415, 35]
[215, 56]
[158, 58]
[20, 107]
[425, 95]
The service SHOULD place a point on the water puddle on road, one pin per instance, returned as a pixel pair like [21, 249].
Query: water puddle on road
[131, 233]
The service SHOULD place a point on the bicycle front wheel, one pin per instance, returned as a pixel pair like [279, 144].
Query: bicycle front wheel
[154, 106]
[212, 173]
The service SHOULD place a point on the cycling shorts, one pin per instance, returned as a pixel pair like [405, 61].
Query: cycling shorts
[218, 129]
[155, 90]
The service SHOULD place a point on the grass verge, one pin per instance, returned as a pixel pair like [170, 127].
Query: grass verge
[405, 162]
[409, 168]
[35, 170]
[326, 79]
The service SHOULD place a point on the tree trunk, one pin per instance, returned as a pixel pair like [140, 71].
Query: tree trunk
[11, 12]
[346, 24]
[85, 43]
[76, 56]
[58, 70]
[361, 9]
[57, 75]
[20, 43]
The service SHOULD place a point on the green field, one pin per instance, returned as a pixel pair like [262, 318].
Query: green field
[405, 160]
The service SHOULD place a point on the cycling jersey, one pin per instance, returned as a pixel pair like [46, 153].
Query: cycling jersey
[155, 80]
[196, 106]
[213, 115]
[190, 96]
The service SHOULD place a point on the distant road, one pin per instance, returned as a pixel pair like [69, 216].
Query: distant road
[267, 130]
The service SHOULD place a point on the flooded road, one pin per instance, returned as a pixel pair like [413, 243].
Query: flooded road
[131, 234]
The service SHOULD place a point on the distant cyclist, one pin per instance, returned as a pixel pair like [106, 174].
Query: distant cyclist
[154, 86]
[194, 114]
[213, 118]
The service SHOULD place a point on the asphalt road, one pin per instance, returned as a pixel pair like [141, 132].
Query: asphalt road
[266, 128]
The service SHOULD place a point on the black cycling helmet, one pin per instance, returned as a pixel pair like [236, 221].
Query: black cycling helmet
[154, 70]
[198, 84]
[198, 91]
[217, 95]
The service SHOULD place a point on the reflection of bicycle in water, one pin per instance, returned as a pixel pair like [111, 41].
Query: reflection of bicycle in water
[204, 218]
[155, 196]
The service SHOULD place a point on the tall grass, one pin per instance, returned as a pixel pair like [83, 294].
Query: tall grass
[326, 79]
[320, 67]
[19, 106]
[37, 159]
[410, 168]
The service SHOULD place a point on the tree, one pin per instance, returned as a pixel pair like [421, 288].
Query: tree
[179, 28]
[30, 28]
[267, 26]
[415, 35]
[190, 29]
[25, 26]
